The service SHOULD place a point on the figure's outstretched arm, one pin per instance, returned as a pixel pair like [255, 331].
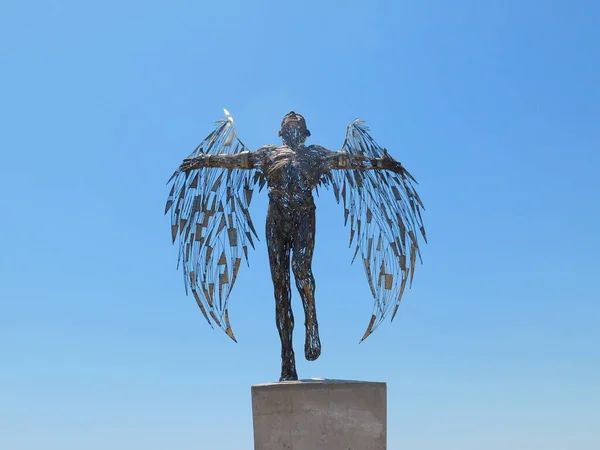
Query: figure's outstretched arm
[344, 160]
[242, 160]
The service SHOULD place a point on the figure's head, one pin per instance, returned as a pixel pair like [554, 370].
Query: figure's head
[293, 129]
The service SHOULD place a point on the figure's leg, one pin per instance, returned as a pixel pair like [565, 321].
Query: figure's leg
[303, 246]
[279, 259]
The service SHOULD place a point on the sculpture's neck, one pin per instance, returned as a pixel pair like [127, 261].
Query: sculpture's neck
[295, 146]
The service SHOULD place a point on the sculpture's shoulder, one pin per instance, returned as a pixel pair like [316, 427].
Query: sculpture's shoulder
[268, 155]
[269, 148]
[264, 153]
[319, 151]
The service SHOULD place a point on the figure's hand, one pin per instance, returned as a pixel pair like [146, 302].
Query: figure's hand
[191, 163]
[391, 164]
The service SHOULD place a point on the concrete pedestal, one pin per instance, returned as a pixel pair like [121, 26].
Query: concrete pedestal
[319, 415]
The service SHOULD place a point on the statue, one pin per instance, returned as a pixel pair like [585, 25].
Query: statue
[212, 190]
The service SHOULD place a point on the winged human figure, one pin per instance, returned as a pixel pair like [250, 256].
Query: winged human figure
[209, 199]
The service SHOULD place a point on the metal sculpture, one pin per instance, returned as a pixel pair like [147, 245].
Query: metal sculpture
[212, 190]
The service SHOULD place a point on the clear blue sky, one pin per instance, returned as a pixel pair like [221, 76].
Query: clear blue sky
[493, 106]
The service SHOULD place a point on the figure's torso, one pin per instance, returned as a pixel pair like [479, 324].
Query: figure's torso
[293, 174]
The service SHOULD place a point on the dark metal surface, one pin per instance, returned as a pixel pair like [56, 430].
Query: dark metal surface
[212, 190]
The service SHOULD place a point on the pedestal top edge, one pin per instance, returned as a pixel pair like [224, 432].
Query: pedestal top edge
[316, 381]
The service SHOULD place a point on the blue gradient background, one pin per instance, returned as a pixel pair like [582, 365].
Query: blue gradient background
[493, 106]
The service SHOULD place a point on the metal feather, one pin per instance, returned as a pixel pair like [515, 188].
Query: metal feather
[389, 210]
[211, 220]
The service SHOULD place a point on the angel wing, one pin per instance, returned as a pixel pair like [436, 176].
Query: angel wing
[210, 217]
[384, 211]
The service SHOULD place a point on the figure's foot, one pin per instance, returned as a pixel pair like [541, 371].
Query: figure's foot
[288, 367]
[312, 345]
[291, 376]
[288, 374]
